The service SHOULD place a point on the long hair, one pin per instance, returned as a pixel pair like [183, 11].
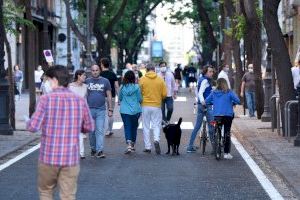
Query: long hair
[78, 72]
[129, 77]
[222, 85]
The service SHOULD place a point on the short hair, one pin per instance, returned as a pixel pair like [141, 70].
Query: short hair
[162, 62]
[150, 67]
[129, 77]
[78, 72]
[205, 69]
[105, 62]
[60, 73]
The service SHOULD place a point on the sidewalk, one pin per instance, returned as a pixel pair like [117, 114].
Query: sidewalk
[21, 137]
[281, 155]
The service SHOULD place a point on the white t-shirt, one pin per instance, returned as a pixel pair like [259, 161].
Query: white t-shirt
[37, 76]
[79, 90]
[224, 75]
[296, 76]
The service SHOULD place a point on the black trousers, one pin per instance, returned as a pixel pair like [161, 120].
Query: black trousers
[226, 122]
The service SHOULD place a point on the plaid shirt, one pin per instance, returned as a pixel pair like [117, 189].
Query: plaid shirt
[62, 115]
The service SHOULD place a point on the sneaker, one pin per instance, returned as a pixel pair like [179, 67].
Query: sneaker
[100, 154]
[109, 134]
[128, 151]
[82, 157]
[191, 150]
[93, 152]
[228, 156]
[157, 147]
[147, 150]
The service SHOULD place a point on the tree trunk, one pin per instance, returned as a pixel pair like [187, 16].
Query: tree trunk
[12, 108]
[281, 59]
[253, 38]
[29, 60]
[238, 66]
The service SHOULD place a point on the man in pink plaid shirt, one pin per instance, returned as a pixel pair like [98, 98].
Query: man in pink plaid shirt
[61, 115]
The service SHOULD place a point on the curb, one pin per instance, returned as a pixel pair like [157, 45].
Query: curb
[241, 137]
[18, 147]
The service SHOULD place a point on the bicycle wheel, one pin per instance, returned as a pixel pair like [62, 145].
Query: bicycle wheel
[218, 144]
[203, 138]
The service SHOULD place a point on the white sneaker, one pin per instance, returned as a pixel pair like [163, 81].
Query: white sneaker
[228, 156]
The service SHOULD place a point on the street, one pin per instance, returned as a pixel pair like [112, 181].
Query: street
[146, 176]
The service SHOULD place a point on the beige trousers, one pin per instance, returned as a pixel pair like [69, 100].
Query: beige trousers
[66, 178]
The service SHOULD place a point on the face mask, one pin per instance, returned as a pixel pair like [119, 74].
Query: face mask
[226, 69]
[47, 87]
[163, 69]
[250, 70]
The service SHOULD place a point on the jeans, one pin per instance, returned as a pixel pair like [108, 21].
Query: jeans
[97, 136]
[109, 121]
[167, 102]
[131, 123]
[151, 115]
[250, 99]
[200, 115]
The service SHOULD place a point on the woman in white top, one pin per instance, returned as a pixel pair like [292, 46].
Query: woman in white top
[37, 77]
[78, 87]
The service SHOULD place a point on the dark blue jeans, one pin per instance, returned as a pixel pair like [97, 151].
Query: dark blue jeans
[167, 102]
[131, 123]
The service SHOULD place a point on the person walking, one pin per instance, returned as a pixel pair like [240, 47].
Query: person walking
[192, 74]
[248, 86]
[153, 91]
[79, 88]
[168, 102]
[18, 75]
[204, 90]
[296, 75]
[113, 80]
[61, 115]
[38, 73]
[130, 109]
[178, 76]
[223, 99]
[224, 74]
[98, 88]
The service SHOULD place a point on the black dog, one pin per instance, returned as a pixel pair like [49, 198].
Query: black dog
[173, 135]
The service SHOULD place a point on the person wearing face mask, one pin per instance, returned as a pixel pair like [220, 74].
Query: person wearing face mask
[224, 74]
[248, 86]
[46, 85]
[168, 102]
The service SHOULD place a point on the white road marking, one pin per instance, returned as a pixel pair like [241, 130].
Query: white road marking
[261, 177]
[180, 99]
[19, 157]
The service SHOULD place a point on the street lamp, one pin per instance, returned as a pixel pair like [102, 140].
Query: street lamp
[297, 140]
[267, 80]
[5, 127]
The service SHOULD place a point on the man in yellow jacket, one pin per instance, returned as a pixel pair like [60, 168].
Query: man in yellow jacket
[153, 90]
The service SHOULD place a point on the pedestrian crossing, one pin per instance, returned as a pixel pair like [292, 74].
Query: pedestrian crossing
[184, 125]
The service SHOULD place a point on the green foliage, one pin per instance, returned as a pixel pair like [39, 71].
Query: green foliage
[11, 17]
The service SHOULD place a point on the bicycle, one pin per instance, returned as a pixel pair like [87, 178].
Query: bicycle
[218, 137]
[203, 134]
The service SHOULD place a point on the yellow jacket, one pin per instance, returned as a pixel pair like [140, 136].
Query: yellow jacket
[153, 89]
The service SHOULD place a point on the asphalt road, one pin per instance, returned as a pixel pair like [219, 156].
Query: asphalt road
[145, 176]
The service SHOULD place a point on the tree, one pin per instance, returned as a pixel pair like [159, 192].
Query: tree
[253, 48]
[281, 59]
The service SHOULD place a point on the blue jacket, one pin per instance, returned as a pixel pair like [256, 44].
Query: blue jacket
[222, 102]
[130, 97]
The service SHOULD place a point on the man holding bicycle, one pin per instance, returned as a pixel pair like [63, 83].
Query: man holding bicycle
[204, 89]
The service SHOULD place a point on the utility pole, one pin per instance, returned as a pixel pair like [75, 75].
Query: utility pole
[5, 127]
[46, 43]
[69, 54]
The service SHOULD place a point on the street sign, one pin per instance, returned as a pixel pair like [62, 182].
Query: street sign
[48, 56]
